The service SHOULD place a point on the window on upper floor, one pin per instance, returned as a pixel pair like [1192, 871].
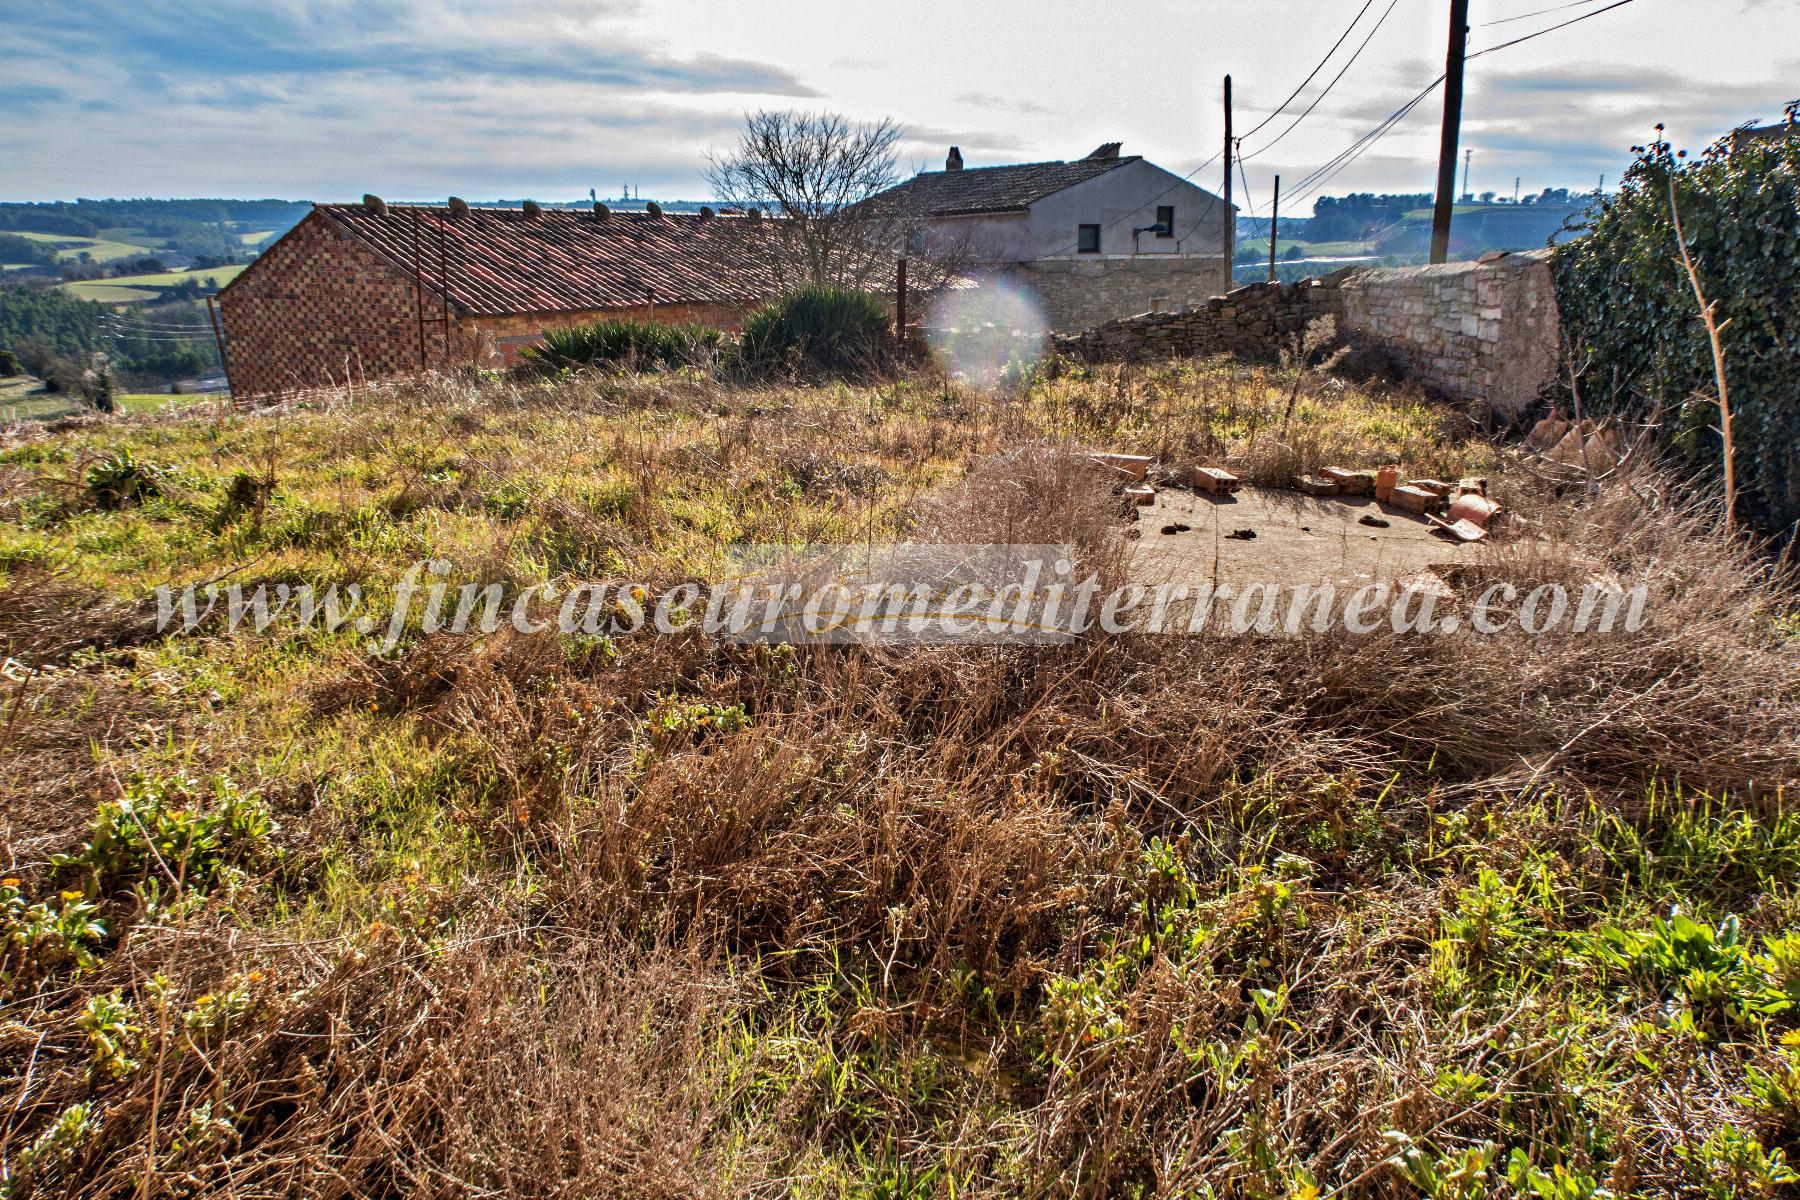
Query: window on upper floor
[1087, 239]
[1165, 220]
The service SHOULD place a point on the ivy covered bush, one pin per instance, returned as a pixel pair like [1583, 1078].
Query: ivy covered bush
[1634, 327]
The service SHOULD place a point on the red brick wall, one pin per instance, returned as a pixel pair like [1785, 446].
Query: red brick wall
[319, 308]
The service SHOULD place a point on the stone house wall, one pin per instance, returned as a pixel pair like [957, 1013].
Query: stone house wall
[1483, 332]
[1255, 322]
[1080, 293]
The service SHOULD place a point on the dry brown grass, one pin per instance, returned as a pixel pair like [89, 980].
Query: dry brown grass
[833, 953]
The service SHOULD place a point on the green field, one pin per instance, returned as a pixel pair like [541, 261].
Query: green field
[108, 293]
[256, 237]
[170, 278]
[23, 399]
[128, 289]
[98, 249]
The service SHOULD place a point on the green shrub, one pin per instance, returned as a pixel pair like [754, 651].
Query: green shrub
[624, 343]
[120, 480]
[167, 829]
[9, 364]
[817, 329]
[1633, 323]
[36, 939]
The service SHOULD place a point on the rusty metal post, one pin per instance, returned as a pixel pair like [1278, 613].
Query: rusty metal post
[900, 302]
[444, 284]
[418, 287]
[218, 327]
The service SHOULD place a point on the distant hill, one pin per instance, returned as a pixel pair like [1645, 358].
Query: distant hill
[1478, 228]
[178, 231]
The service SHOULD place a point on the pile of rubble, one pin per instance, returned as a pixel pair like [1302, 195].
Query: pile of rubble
[1462, 509]
[1589, 446]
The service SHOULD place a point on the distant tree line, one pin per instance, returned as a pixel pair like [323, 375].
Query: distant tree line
[15, 249]
[1356, 216]
[192, 228]
[54, 335]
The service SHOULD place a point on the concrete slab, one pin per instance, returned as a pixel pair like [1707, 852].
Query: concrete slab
[1299, 539]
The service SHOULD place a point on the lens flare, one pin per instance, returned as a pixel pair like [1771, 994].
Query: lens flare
[986, 334]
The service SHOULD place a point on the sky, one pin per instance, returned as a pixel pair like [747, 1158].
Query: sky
[420, 99]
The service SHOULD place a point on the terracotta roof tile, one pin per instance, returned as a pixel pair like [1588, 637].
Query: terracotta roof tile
[563, 260]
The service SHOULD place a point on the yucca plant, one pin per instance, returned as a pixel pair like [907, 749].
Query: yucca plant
[818, 328]
[628, 343]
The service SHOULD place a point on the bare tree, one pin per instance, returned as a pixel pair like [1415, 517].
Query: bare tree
[826, 179]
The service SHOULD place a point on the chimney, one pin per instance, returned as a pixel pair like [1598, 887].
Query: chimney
[954, 162]
[1106, 150]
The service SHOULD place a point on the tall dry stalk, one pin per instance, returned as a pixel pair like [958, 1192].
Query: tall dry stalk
[1715, 330]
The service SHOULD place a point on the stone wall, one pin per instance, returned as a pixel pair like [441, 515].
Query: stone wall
[1080, 293]
[1483, 332]
[1258, 322]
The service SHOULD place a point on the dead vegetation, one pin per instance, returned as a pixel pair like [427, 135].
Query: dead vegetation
[1134, 916]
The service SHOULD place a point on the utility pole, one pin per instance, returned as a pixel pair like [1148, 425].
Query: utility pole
[1468, 158]
[1274, 226]
[1230, 216]
[1453, 101]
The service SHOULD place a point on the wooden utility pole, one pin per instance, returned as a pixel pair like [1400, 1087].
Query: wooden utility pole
[1274, 226]
[1453, 101]
[1230, 215]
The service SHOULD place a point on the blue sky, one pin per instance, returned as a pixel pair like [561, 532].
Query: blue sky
[328, 99]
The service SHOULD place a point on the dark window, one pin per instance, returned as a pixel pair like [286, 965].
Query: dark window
[1165, 220]
[1087, 239]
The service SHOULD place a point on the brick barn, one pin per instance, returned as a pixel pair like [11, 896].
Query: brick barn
[366, 291]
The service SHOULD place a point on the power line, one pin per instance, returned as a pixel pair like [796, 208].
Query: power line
[1319, 178]
[1552, 29]
[1367, 4]
[1340, 75]
[1325, 174]
[1539, 13]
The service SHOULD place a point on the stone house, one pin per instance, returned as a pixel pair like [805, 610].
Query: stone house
[365, 291]
[1093, 239]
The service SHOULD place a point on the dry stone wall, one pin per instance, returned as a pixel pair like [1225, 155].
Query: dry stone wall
[1482, 332]
[1079, 293]
[1257, 322]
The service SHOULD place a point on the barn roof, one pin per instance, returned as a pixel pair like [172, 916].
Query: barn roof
[501, 260]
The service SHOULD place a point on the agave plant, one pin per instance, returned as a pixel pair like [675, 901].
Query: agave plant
[819, 328]
[628, 343]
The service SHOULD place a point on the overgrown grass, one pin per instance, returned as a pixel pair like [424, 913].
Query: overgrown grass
[651, 915]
